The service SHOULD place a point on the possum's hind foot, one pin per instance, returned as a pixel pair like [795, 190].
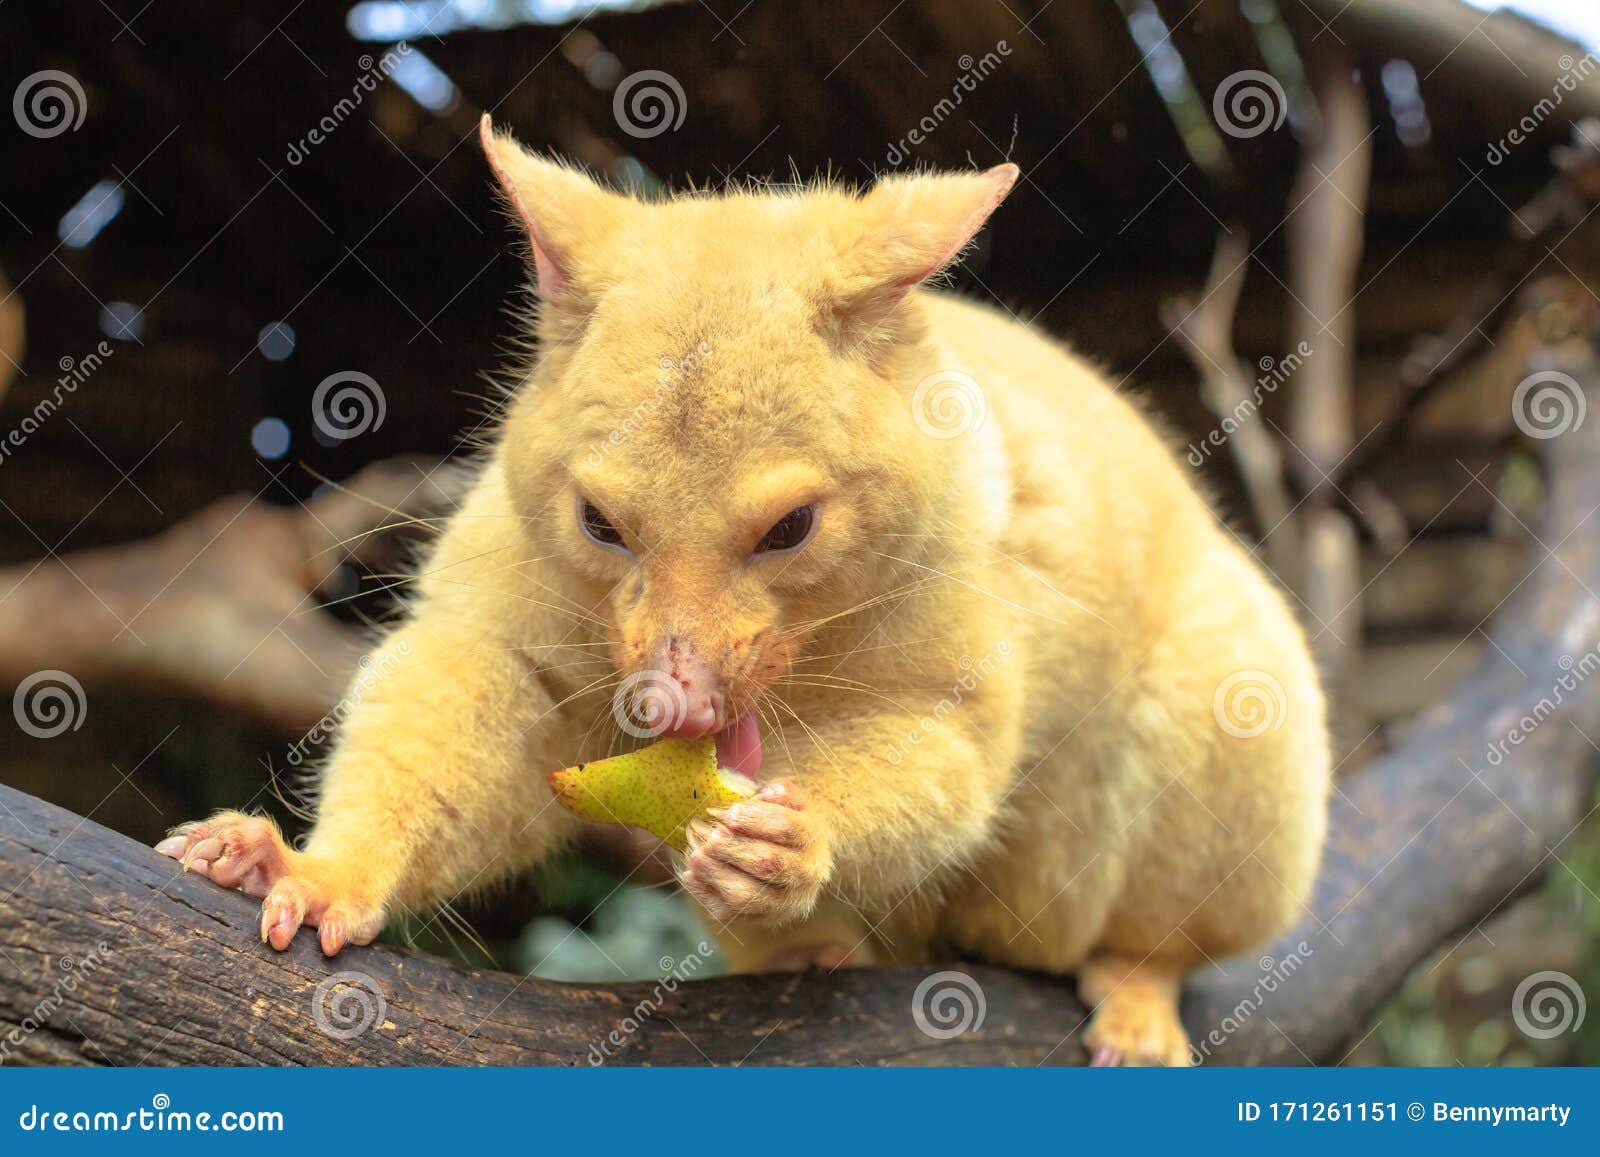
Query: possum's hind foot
[1135, 1018]
[234, 850]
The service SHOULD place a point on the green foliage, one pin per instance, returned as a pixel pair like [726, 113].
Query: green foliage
[1457, 1006]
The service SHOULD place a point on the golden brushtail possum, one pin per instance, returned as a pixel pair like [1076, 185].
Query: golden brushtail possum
[1008, 688]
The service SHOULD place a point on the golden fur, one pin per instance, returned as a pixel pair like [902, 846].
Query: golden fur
[995, 689]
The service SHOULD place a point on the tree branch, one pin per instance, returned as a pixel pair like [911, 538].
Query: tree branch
[1205, 330]
[108, 955]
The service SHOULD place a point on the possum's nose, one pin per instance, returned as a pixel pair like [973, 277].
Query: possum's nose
[694, 700]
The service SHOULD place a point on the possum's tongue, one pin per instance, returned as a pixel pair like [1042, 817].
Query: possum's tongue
[739, 746]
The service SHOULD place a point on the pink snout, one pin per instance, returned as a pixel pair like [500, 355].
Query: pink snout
[693, 703]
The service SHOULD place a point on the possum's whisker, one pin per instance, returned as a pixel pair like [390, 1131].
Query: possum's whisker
[538, 655]
[433, 522]
[881, 596]
[901, 592]
[588, 611]
[974, 587]
[578, 615]
[774, 724]
[564, 644]
[598, 721]
[859, 690]
[517, 563]
[369, 592]
[449, 911]
[612, 678]
[820, 743]
[582, 666]
[298, 808]
[842, 680]
[394, 580]
[453, 564]
[1017, 562]
[898, 644]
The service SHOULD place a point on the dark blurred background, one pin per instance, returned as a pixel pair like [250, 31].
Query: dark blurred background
[193, 220]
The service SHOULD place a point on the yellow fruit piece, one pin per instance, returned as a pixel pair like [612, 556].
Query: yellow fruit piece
[659, 788]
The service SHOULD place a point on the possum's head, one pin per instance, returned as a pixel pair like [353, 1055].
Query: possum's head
[719, 437]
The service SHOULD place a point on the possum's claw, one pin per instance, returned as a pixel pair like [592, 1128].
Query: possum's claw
[281, 914]
[234, 850]
[231, 849]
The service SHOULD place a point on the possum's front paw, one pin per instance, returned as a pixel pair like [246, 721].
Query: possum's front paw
[248, 853]
[762, 859]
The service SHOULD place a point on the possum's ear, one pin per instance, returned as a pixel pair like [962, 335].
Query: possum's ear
[563, 211]
[909, 228]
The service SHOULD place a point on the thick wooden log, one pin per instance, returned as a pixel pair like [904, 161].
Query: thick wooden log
[127, 960]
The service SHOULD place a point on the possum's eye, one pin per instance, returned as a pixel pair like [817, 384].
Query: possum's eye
[790, 532]
[598, 527]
